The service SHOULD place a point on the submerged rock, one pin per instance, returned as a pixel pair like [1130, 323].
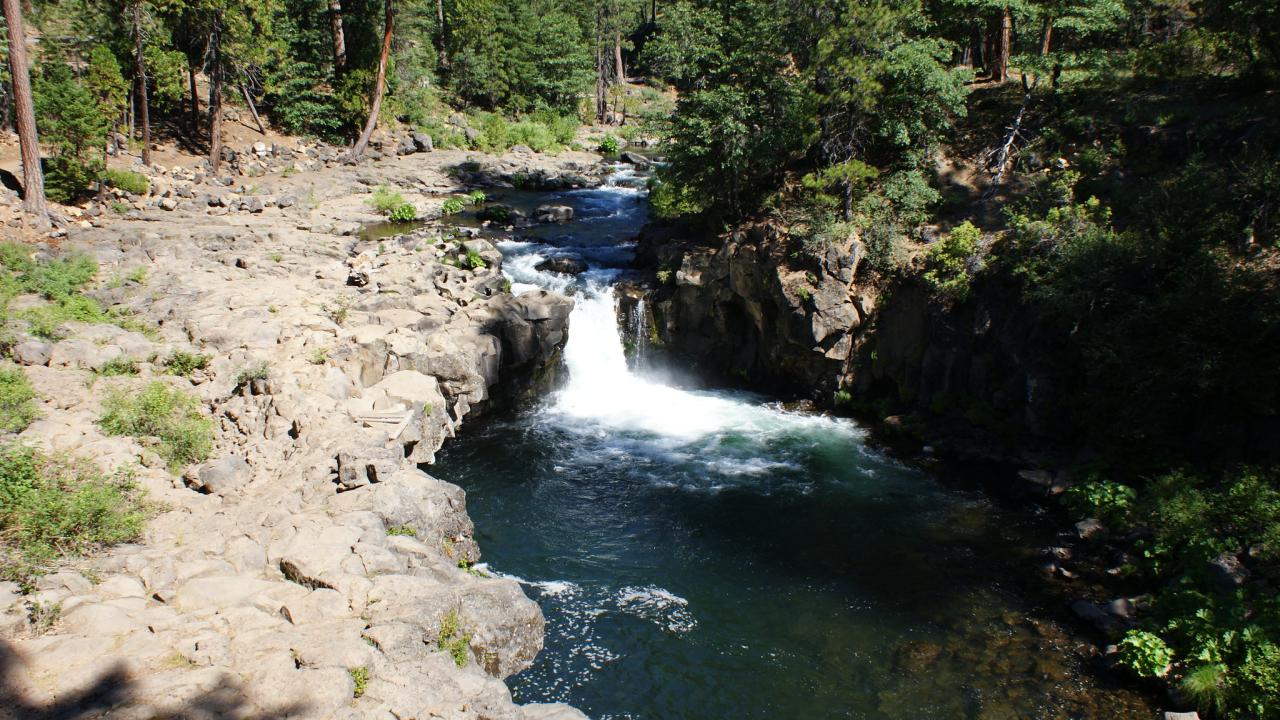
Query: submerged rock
[553, 214]
[562, 265]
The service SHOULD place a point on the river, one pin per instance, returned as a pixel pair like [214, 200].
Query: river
[705, 554]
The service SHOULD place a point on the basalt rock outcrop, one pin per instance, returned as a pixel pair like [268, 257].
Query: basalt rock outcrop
[754, 305]
[311, 568]
[749, 305]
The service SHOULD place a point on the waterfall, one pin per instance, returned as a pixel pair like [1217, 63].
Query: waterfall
[602, 394]
[640, 331]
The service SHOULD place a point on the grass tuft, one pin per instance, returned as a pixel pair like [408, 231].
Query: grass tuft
[184, 435]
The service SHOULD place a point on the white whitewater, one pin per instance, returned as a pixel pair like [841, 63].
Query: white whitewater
[603, 395]
[603, 391]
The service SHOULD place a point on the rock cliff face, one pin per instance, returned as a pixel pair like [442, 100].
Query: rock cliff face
[753, 307]
[311, 568]
[757, 307]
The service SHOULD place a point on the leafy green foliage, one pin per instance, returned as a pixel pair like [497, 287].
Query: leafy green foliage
[71, 120]
[1145, 654]
[183, 363]
[127, 180]
[452, 206]
[183, 434]
[392, 204]
[946, 264]
[609, 145]
[521, 56]
[401, 531]
[453, 639]
[1111, 502]
[360, 680]
[17, 410]
[119, 366]
[54, 507]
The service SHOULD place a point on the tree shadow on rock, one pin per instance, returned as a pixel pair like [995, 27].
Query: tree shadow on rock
[115, 692]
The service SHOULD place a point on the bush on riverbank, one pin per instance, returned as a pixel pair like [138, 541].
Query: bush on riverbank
[16, 407]
[185, 435]
[56, 507]
[1210, 547]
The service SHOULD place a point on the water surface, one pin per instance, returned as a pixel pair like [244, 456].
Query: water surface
[705, 554]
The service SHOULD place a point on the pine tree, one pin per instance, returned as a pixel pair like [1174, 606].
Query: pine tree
[33, 199]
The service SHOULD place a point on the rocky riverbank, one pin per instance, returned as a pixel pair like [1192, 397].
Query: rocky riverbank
[310, 568]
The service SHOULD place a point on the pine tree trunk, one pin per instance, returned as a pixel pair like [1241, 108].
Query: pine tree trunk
[441, 38]
[195, 100]
[215, 95]
[140, 70]
[375, 107]
[33, 201]
[1046, 36]
[1001, 41]
[619, 72]
[602, 71]
[339, 37]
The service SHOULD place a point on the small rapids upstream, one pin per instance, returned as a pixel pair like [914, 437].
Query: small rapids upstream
[708, 554]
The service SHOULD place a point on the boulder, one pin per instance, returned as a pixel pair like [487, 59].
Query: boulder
[1228, 572]
[1090, 528]
[220, 476]
[422, 142]
[636, 159]
[553, 214]
[32, 352]
[563, 265]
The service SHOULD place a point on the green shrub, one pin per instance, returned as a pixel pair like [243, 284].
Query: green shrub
[171, 416]
[1110, 502]
[260, 370]
[127, 180]
[609, 145]
[946, 264]
[17, 410]
[537, 136]
[60, 277]
[404, 213]
[453, 640]
[119, 366]
[477, 197]
[360, 677]
[474, 261]
[452, 206]
[56, 507]
[46, 321]
[1145, 654]
[392, 204]
[494, 213]
[402, 530]
[668, 199]
[15, 256]
[183, 363]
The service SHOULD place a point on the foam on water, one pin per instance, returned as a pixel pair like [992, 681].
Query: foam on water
[602, 392]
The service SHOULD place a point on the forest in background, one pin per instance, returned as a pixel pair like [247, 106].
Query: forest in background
[1128, 197]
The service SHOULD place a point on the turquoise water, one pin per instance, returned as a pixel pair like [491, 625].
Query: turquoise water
[704, 554]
